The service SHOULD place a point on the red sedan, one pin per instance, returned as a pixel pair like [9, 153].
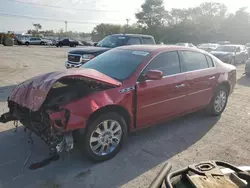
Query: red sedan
[120, 91]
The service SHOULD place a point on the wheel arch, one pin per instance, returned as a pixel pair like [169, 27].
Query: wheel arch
[225, 84]
[111, 108]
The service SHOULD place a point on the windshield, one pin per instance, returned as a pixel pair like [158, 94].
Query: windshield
[118, 64]
[112, 41]
[226, 49]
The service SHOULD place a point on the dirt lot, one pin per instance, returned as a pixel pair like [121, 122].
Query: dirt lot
[183, 141]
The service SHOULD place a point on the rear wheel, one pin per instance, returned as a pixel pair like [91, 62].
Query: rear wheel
[104, 137]
[27, 43]
[42, 43]
[218, 102]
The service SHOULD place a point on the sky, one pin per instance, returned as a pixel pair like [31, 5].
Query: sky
[82, 15]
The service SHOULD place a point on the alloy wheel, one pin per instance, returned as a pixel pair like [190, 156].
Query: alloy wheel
[220, 101]
[106, 137]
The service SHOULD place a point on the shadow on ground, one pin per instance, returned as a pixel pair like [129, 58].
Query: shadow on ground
[144, 150]
[244, 81]
[5, 91]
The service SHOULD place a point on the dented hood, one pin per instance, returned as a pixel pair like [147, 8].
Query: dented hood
[33, 92]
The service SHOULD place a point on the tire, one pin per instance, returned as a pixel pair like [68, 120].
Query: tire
[27, 43]
[42, 43]
[97, 126]
[57, 45]
[221, 94]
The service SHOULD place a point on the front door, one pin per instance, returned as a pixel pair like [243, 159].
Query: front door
[159, 99]
[201, 78]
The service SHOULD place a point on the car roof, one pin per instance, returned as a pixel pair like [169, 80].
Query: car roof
[132, 35]
[156, 48]
[233, 45]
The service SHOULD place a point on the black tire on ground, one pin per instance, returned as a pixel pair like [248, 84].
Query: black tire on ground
[27, 43]
[83, 140]
[211, 109]
[42, 43]
[57, 45]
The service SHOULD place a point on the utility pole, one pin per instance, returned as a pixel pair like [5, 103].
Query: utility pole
[127, 21]
[66, 27]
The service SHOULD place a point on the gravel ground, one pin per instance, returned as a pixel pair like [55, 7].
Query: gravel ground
[186, 140]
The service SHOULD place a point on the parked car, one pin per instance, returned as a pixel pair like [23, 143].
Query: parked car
[247, 68]
[45, 41]
[231, 54]
[77, 58]
[224, 42]
[208, 46]
[31, 41]
[67, 42]
[122, 90]
[185, 44]
[248, 47]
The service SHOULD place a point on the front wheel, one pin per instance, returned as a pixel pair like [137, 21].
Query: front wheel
[218, 102]
[105, 136]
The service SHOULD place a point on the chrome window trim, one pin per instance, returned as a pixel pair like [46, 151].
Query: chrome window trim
[180, 62]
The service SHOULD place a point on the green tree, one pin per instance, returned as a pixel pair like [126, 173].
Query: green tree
[37, 26]
[102, 30]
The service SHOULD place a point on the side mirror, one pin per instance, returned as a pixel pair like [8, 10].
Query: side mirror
[153, 75]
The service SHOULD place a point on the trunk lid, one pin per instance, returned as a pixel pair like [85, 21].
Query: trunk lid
[33, 92]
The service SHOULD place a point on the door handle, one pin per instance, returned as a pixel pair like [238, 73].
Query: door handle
[212, 77]
[179, 85]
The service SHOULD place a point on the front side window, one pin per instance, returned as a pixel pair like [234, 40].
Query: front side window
[133, 41]
[194, 60]
[167, 62]
[118, 64]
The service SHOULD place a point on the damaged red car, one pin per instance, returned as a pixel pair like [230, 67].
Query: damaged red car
[122, 90]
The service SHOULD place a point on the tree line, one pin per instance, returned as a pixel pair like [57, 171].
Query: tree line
[208, 22]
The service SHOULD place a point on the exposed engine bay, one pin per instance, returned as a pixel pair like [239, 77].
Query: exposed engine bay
[39, 122]
[208, 174]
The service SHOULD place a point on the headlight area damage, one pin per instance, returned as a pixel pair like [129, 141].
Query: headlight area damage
[39, 104]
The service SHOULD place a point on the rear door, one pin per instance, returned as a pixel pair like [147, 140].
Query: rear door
[32, 40]
[201, 78]
[159, 99]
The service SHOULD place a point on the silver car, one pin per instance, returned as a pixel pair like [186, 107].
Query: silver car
[32, 41]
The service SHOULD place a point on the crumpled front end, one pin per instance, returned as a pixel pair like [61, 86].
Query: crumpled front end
[48, 106]
[51, 130]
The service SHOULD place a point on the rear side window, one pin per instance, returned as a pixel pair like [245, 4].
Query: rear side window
[147, 40]
[210, 61]
[167, 62]
[133, 40]
[194, 60]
